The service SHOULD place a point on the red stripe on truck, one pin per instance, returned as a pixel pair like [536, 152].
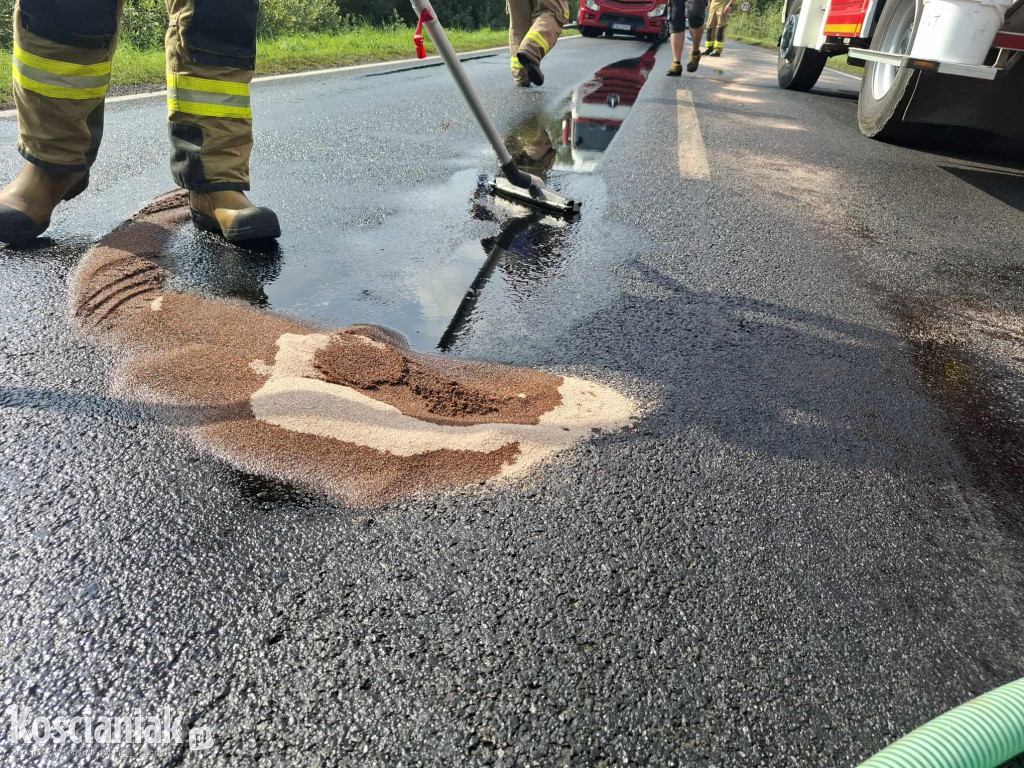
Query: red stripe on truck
[1014, 41]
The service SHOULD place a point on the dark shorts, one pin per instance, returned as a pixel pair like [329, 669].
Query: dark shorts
[688, 12]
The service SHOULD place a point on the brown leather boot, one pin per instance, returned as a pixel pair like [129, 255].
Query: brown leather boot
[27, 203]
[231, 215]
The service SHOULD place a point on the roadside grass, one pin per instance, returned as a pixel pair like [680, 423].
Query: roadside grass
[763, 30]
[291, 53]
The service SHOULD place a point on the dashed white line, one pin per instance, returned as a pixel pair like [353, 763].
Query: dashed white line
[693, 157]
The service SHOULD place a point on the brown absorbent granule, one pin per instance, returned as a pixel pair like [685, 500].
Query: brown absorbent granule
[356, 413]
[172, 201]
[438, 390]
[355, 361]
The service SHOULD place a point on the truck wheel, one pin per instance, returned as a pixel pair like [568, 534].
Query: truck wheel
[590, 32]
[799, 67]
[885, 89]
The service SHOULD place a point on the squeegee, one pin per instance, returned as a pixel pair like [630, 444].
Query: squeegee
[513, 183]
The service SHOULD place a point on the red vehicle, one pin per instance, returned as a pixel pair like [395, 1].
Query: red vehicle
[645, 19]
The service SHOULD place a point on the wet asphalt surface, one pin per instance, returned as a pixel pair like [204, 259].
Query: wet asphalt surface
[812, 543]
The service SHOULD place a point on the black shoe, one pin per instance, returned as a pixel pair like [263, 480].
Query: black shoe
[675, 70]
[532, 68]
[716, 52]
[709, 51]
[694, 62]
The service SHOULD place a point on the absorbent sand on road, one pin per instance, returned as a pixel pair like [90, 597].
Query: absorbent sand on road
[355, 413]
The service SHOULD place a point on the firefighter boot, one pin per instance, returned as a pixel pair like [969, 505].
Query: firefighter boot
[519, 76]
[711, 43]
[719, 43]
[231, 215]
[27, 203]
[532, 67]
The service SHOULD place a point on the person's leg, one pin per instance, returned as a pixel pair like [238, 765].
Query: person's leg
[678, 26]
[61, 72]
[549, 16]
[695, 18]
[520, 19]
[712, 24]
[211, 58]
[710, 43]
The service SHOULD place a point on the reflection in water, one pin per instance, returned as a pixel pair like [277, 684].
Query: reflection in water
[575, 137]
[529, 248]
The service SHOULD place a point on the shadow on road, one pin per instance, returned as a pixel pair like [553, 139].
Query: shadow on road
[1005, 186]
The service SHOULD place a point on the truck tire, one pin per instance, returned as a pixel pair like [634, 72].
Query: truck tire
[886, 90]
[799, 67]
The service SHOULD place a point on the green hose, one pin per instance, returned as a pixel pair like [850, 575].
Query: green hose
[983, 733]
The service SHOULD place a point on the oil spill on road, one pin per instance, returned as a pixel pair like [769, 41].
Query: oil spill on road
[572, 137]
[971, 361]
[355, 413]
[447, 263]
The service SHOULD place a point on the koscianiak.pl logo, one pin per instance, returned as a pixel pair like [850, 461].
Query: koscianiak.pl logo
[163, 727]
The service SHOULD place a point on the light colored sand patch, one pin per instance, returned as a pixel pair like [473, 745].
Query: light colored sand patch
[260, 368]
[292, 398]
[157, 304]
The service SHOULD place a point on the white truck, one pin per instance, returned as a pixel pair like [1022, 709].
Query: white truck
[944, 62]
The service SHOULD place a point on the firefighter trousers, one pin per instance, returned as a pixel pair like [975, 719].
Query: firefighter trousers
[534, 27]
[62, 62]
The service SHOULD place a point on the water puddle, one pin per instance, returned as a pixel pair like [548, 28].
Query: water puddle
[440, 262]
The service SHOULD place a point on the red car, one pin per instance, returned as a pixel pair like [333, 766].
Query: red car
[645, 19]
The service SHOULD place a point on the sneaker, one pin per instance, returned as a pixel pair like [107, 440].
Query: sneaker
[675, 70]
[694, 62]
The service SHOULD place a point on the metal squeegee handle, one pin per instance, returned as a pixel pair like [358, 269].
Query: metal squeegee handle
[437, 34]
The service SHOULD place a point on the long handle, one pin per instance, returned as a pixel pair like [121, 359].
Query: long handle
[426, 13]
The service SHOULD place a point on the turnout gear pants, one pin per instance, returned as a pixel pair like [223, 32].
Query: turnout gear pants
[62, 62]
[718, 18]
[534, 27]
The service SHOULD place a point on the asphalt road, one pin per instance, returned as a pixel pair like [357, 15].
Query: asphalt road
[812, 543]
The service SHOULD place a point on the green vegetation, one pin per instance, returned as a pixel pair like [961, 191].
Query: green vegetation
[762, 27]
[146, 20]
[355, 44]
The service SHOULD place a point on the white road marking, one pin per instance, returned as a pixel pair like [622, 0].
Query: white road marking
[311, 73]
[693, 158]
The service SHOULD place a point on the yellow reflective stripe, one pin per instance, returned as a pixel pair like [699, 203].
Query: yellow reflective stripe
[57, 92]
[538, 38]
[208, 110]
[209, 86]
[517, 64]
[62, 67]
